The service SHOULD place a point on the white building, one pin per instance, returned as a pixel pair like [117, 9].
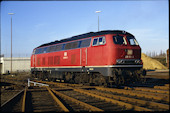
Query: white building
[18, 64]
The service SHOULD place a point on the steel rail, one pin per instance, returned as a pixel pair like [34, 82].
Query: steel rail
[167, 85]
[162, 87]
[150, 103]
[133, 100]
[127, 105]
[136, 93]
[57, 100]
[24, 100]
[150, 90]
[5, 106]
[42, 101]
[92, 108]
[154, 94]
[157, 96]
[14, 81]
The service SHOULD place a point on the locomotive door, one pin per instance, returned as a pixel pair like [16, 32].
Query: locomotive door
[83, 56]
[34, 60]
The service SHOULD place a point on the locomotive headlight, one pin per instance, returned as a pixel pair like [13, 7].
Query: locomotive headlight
[137, 61]
[120, 61]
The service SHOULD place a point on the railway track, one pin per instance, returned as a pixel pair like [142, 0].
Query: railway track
[66, 97]
[62, 97]
[13, 103]
[33, 99]
[138, 99]
[91, 103]
[7, 94]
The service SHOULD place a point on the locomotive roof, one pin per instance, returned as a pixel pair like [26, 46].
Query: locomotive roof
[90, 34]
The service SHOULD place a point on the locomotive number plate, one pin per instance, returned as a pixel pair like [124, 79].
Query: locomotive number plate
[129, 56]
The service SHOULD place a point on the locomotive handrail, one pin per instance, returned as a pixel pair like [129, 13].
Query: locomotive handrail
[36, 83]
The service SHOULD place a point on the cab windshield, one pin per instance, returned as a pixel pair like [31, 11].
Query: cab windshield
[132, 40]
[121, 40]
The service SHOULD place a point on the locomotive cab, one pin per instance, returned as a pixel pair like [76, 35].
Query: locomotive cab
[127, 50]
[127, 63]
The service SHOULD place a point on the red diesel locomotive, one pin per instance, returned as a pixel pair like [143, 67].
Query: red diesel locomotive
[105, 57]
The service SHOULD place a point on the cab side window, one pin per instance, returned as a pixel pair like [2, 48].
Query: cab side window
[95, 40]
[99, 41]
[119, 40]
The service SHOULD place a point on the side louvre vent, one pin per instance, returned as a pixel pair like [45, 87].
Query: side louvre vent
[50, 60]
[56, 60]
[73, 59]
[38, 62]
[43, 61]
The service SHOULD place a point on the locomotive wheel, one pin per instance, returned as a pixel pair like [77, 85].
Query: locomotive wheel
[52, 79]
[143, 80]
[98, 79]
[81, 78]
[121, 80]
[41, 76]
[33, 75]
[85, 78]
[128, 77]
[69, 77]
[136, 77]
[77, 79]
[118, 76]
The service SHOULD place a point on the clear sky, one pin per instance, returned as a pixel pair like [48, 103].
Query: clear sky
[38, 22]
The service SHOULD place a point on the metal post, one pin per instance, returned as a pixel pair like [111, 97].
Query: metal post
[98, 18]
[98, 22]
[11, 44]
[11, 39]
[28, 82]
